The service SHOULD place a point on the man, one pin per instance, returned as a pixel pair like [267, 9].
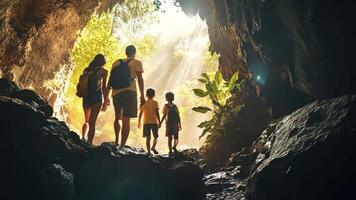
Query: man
[125, 99]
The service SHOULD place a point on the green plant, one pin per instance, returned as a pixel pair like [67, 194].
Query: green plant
[219, 92]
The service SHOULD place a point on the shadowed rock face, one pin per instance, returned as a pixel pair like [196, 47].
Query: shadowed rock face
[309, 154]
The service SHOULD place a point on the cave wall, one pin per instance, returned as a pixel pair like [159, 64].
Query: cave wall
[36, 37]
[302, 50]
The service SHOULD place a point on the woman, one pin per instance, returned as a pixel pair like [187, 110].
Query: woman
[93, 103]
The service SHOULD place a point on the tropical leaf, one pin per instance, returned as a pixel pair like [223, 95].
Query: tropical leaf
[200, 93]
[206, 124]
[240, 85]
[201, 109]
[203, 133]
[218, 77]
[215, 103]
[233, 81]
[214, 86]
[205, 75]
[202, 80]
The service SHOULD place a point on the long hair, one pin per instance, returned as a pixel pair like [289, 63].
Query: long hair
[98, 61]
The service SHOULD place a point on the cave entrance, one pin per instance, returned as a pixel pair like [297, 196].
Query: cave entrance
[174, 49]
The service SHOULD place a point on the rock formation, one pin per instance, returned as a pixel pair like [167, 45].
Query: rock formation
[301, 50]
[309, 154]
[45, 160]
[36, 37]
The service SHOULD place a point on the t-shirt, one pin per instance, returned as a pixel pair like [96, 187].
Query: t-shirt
[148, 110]
[135, 66]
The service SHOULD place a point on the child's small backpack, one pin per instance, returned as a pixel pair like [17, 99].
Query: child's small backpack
[87, 84]
[120, 76]
[173, 115]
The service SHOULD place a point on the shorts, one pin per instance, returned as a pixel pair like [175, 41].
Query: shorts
[172, 130]
[147, 128]
[125, 104]
[93, 99]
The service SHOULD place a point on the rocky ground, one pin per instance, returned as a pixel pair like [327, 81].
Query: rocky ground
[309, 154]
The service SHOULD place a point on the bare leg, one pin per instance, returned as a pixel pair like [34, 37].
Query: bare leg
[170, 143]
[125, 130]
[92, 121]
[117, 129]
[148, 144]
[175, 144]
[85, 128]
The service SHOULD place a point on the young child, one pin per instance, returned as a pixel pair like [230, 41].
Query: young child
[150, 112]
[173, 123]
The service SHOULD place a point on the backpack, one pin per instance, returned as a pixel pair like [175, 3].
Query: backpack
[120, 76]
[88, 84]
[173, 115]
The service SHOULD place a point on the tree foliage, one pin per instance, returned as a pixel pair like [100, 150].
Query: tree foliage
[136, 12]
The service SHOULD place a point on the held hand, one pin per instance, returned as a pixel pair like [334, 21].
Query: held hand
[142, 100]
[104, 107]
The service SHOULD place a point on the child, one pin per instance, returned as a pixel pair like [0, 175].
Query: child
[150, 112]
[173, 123]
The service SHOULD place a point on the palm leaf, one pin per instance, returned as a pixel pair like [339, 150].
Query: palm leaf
[201, 109]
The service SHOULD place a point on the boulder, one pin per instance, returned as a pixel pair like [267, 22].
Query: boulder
[310, 154]
[109, 172]
[31, 143]
[7, 87]
[31, 97]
